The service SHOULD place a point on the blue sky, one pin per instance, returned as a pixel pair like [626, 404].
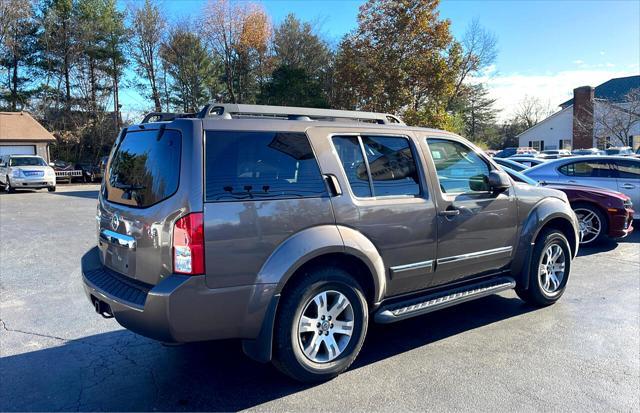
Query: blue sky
[546, 48]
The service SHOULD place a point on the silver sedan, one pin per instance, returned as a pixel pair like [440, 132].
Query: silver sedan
[617, 173]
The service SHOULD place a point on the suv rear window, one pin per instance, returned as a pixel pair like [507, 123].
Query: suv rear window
[145, 168]
[260, 165]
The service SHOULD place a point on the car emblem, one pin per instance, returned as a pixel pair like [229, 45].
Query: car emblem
[115, 221]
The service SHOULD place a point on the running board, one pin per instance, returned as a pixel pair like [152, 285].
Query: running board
[435, 301]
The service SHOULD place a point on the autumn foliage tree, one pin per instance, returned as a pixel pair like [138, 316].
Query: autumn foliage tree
[402, 58]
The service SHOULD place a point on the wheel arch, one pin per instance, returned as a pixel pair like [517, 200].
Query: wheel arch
[320, 245]
[549, 213]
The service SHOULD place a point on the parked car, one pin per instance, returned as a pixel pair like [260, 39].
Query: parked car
[527, 161]
[611, 172]
[60, 165]
[90, 172]
[591, 151]
[601, 212]
[508, 163]
[26, 172]
[619, 151]
[511, 151]
[251, 222]
[554, 153]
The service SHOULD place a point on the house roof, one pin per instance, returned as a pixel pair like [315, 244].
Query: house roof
[612, 90]
[20, 126]
[543, 121]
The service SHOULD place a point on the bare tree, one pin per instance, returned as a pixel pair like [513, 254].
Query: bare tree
[148, 28]
[479, 50]
[231, 29]
[617, 120]
[532, 110]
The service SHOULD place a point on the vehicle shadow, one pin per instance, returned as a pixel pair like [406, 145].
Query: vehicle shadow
[610, 244]
[121, 371]
[92, 194]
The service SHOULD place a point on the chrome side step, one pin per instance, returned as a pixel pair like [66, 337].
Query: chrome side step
[435, 301]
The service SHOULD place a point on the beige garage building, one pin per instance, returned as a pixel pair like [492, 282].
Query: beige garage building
[21, 134]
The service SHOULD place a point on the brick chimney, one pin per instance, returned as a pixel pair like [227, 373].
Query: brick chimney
[582, 117]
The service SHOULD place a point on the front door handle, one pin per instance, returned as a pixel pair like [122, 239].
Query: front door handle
[628, 186]
[449, 213]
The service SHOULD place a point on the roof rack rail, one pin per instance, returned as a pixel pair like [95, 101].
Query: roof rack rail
[233, 110]
[165, 116]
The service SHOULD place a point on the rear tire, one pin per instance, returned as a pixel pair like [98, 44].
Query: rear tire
[308, 346]
[549, 271]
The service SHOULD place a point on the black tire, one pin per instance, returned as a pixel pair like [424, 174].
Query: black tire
[289, 356]
[8, 188]
[579, 208]
[51, 189]
[534, 293]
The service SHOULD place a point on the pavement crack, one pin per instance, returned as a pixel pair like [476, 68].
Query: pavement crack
[12, 330]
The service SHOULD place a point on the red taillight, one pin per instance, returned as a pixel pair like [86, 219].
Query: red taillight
[188, 245]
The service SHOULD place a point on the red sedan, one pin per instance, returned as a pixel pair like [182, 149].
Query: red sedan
[601, 212]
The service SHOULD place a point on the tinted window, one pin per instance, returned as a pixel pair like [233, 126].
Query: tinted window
[260, 165]
[628, 169]
[459, 168]
[393, 170]
[145, 168]
[592, 169]
[388, 166]
[350, 154]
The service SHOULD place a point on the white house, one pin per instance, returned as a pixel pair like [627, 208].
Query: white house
[599, 117]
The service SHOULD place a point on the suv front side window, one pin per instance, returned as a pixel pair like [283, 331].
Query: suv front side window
[378, 166]
[459, 168]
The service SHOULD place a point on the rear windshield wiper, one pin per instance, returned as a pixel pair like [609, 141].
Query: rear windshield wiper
[128, 187]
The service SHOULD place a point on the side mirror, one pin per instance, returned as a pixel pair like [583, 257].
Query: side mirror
[499, 180]
[51, 164]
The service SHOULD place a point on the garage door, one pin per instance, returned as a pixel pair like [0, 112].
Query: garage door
[17, 150]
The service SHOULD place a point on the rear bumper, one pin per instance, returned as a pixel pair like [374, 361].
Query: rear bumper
[180, 308]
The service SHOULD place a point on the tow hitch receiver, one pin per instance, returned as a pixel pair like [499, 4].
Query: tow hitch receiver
[102, 308]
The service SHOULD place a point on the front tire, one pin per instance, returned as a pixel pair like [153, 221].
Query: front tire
[549, 271]
[593, 223]
[321, 325]
[8, 188]
[51, 189]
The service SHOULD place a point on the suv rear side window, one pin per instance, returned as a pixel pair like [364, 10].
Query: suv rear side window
[260, 165]
[592, 169]
[145, 168]
[628, 169]
[388, 167]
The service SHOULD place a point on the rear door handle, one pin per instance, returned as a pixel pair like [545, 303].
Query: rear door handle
[628, 186]
[333, 184]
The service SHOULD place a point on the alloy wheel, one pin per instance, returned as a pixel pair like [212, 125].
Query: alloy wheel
[325, 326]
[551, 269]
[590, 225]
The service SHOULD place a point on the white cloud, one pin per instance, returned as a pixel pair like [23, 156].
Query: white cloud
[551, 88]
[578, 62]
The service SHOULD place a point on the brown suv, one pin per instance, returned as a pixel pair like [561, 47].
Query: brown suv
[290, 227]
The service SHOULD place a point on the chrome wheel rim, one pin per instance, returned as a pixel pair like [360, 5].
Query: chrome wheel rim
[551, 269]
[325, 326]
[590, 225]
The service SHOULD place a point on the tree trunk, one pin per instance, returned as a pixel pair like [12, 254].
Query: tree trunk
[14, 85]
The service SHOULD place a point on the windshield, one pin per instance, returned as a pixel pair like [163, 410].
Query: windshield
[517, 176]
[27, 161]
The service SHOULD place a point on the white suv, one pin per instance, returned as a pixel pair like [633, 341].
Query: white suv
[26, 172]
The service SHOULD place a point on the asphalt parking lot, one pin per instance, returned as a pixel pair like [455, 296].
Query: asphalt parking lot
[582, 354]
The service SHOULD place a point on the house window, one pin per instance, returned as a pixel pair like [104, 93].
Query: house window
[537, 145]
[564, 144]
